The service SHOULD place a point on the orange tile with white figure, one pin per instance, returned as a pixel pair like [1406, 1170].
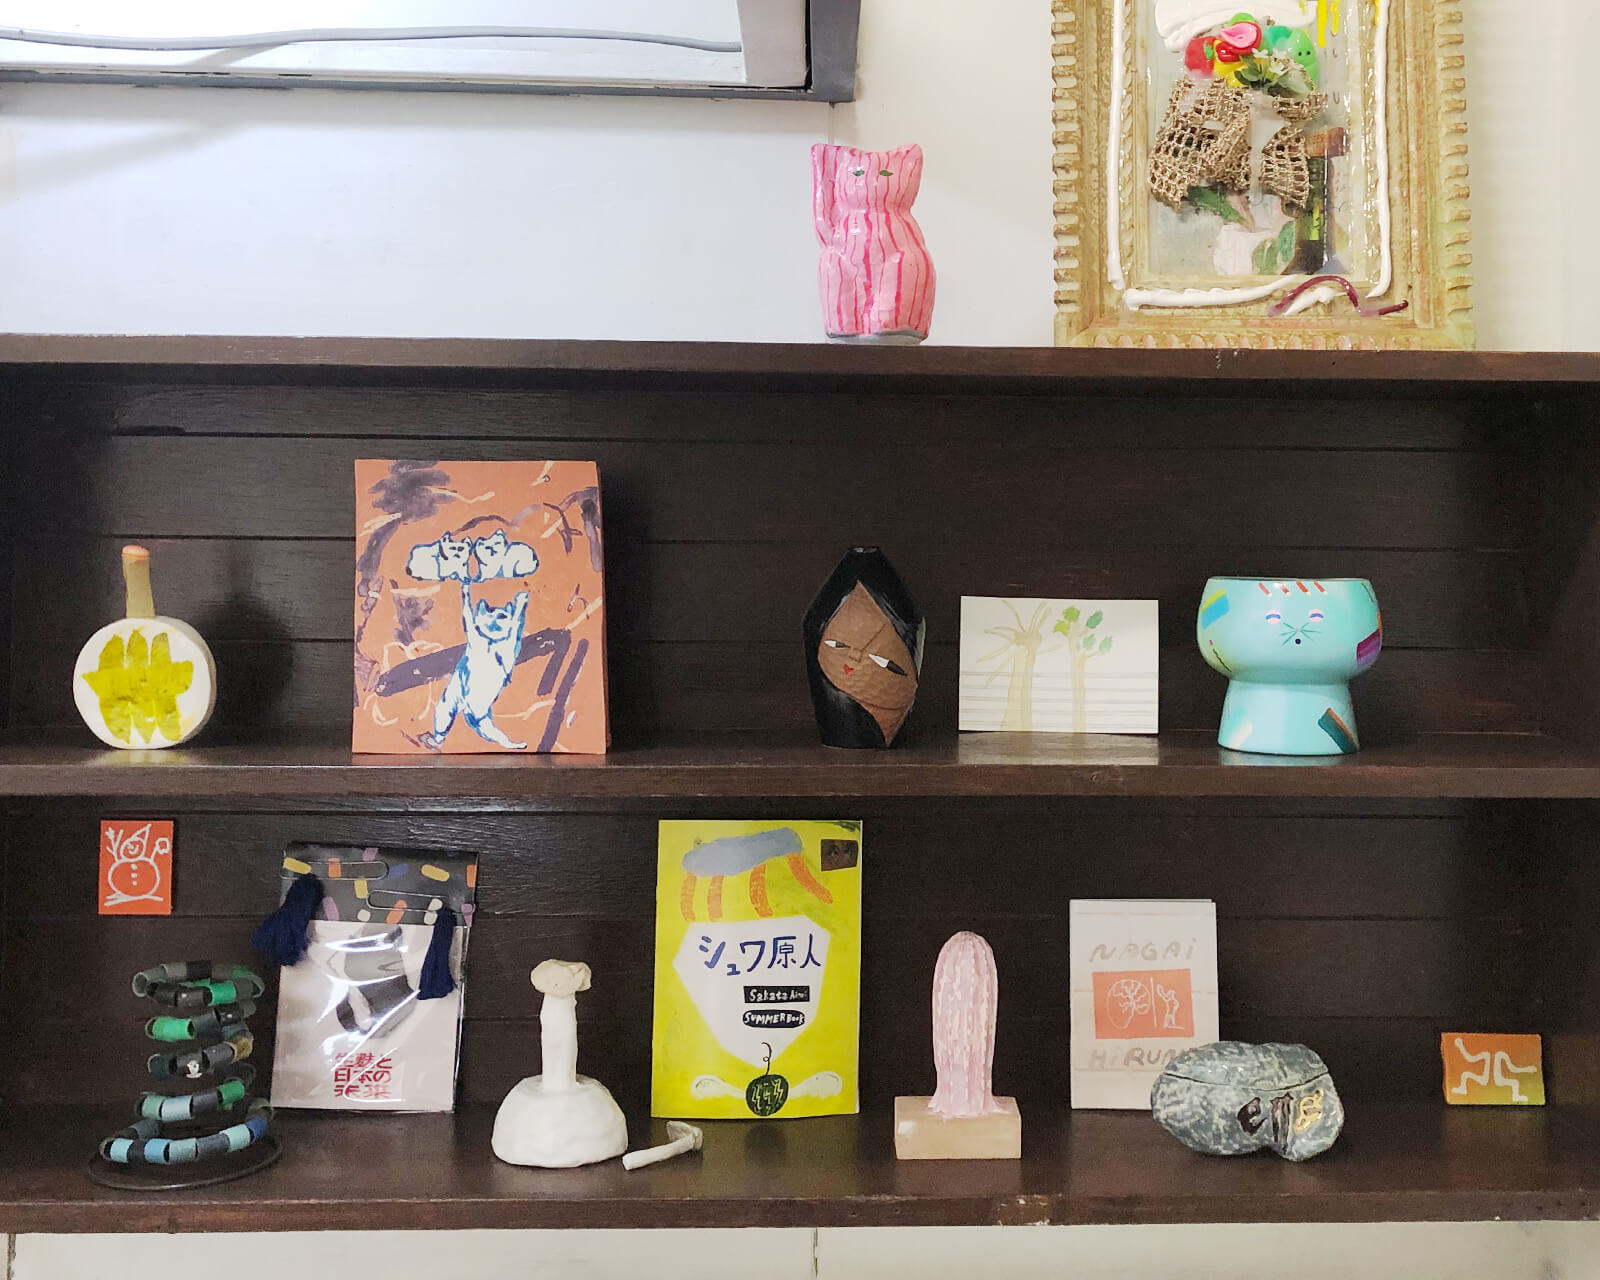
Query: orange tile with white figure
[1492, 1070]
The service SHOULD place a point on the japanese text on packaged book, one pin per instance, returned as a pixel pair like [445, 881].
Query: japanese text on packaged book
[758, 969]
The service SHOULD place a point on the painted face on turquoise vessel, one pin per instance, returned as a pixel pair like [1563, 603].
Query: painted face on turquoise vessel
[1291, 631]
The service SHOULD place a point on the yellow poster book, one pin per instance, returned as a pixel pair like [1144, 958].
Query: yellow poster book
[758, 969]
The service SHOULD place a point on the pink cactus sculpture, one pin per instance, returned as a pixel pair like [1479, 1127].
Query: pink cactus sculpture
[966, 991]
[963, 1120]
[876, 276]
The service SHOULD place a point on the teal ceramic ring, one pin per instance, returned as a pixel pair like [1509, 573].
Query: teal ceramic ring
[193, 971]
[1290, 648]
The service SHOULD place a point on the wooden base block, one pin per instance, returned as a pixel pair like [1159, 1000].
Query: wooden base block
[921, 1134]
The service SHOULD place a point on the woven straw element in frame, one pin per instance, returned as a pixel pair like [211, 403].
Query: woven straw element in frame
[1205, 142]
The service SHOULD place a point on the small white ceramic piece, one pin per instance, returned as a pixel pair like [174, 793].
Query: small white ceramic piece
[144, 681]
[684, 1137]
[559, 1120]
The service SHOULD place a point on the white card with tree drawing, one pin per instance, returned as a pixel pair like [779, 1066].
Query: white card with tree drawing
[1059, 666]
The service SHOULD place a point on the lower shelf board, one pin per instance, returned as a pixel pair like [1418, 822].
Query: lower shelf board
[1393, 1163]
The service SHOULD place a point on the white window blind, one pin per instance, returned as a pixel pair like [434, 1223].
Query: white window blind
[454, 43]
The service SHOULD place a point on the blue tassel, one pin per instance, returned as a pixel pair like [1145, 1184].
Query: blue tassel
[282, 935]
[435, 982]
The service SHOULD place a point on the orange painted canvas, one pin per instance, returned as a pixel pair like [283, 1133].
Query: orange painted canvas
[1492, 1070]
[1141, 1004]
[135, 868]
[479, 607]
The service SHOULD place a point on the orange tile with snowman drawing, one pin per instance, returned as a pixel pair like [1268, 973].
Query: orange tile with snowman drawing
[135, 868]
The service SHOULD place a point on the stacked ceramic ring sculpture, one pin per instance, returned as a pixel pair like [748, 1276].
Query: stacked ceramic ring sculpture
[208, 1003]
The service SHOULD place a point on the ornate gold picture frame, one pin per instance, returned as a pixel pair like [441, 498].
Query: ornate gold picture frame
[1261, 173]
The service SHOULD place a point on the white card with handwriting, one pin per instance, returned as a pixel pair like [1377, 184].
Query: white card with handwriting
[1144, 988]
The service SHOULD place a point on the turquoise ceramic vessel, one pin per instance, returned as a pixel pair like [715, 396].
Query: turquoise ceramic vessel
[1289, 649]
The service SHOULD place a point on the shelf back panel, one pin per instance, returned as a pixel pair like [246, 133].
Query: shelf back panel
[1364, 929]
[724, 511]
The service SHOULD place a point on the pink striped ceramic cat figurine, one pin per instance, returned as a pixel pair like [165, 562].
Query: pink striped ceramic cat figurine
[876, 275]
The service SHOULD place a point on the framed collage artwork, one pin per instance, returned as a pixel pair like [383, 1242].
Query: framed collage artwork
[1292, 175]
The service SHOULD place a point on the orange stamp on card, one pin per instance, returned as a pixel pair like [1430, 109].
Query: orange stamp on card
[1138, 1005]
[135, 868]
[1492, 1070]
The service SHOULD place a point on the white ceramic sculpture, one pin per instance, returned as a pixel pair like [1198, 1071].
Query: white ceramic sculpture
[681, 1137]
[559, 1120]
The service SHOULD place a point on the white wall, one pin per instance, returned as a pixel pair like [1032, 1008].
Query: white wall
[180, 211]
[309, 212]
[1534, 177]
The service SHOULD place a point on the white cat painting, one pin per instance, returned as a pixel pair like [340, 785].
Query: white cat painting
[479, 608]
[493, 632]
[499, 557]
[440, 561]
[494, 636]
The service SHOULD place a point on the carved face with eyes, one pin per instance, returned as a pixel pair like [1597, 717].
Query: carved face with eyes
[863, 657]
[1297, 629]
[877, 179]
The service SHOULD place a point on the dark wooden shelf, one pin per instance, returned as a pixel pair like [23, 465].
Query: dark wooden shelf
[816, 366]
[1419, 1163]
[971, 765]
[1382, 911]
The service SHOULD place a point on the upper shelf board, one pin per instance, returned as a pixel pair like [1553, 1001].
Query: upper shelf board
[819, 366]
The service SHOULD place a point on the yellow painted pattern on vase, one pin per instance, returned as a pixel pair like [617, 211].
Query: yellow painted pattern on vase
[137, 685]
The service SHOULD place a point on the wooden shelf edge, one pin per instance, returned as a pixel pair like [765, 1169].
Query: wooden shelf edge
[436, 1172]
[140, 1216]
[968, 766]
[996, 368]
